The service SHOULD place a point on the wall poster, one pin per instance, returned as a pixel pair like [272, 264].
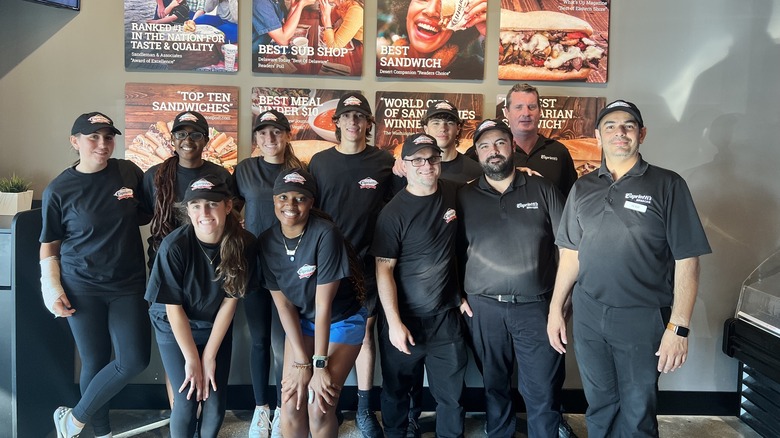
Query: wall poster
[307, 37]
[554, 40]
[572, 121]
[149, 113]
[431, 39]
[309, 111]
[399, 115]
[168, 35]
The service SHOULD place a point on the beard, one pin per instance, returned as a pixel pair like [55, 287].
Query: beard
[500, 170]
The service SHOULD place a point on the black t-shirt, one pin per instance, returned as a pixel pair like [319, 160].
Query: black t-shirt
[629, 232]
[321, 258]
[96, 216]
[353, 189]
[507, 240]
[184, 275]
[461, 170]
[548, 157]
[420, 231]
[255, 184]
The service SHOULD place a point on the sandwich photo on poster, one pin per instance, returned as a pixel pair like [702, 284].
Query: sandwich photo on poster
[431, 39]
[554, 40]
[309, 111]
[194, 35]
[149, 113]
[572, 121]
[399, 114]
[308, 37]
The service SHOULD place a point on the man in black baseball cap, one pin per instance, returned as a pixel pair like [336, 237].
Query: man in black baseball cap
[621, 105]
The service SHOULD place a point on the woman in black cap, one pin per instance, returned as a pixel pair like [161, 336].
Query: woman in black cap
[201, 269]
[318, 290]
[254, 182]
[92, 270]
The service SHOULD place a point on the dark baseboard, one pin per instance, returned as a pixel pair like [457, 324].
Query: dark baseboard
[240, 397]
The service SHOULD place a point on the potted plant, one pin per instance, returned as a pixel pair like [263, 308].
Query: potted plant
[15, 195]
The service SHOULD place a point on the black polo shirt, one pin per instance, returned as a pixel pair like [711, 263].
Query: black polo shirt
[461, 170]
[507, 240]
[254, 180]
[321, 258]
[548, 157]
[183, 274]
[629, 233]
[420, 231]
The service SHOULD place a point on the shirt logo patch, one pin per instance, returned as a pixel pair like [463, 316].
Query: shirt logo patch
[294, 177]
[547, 157]
[306, 271]
[449, 215]
[368, 183]
[201, 184]
[124, 193]
[528, 205]
[99, 118]
[644, 199]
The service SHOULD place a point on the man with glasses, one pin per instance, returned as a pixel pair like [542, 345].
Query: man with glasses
[414, 246]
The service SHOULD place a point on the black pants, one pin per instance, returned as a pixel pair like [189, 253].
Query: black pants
[505, 333]
[257, 307]
[616, 355]
[439, 348]
[100, 323]
[184, 412]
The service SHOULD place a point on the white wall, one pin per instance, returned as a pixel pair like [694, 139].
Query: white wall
[704, 74]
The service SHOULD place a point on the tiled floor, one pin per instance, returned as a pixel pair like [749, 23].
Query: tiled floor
[130, 423]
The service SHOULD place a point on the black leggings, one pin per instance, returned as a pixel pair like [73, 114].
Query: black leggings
[184, 412]
[100, 323]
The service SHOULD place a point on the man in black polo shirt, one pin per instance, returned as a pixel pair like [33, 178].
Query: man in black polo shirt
[414, 246]
[508, 257]
[630, 238]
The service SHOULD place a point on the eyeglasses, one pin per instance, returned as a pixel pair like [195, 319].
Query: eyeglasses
[194, 136]
[419, 162]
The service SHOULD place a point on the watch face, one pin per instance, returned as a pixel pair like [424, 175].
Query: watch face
[682, 331]
[320, 363]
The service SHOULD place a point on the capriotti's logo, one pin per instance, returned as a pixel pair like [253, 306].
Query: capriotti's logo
[100, 118]
[306, 271]
[352, 100]
[124, 193]
[368, 183]
[449, 215]
[268, 116]
[188, 117]
[423, 139]
[644, 199]
[202, 184]
[528, 205]
[295, 178]
[445, 105]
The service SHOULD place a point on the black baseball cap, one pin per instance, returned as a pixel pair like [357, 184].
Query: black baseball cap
[295, 180]
[191, 118]
[273, 118]
[208, 187]
[418, 142]
[441, 107]
[353, 102]
[621, 105]
[491, 125]
[91, 122]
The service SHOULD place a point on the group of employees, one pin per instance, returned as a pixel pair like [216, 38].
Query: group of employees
[437, 252]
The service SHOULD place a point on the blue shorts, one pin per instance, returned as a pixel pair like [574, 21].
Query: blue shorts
[350, 331]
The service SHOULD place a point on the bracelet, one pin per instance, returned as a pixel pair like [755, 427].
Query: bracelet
[301, 366]
[329, 27]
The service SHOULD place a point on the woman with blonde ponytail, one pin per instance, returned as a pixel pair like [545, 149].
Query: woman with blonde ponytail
[201, 269]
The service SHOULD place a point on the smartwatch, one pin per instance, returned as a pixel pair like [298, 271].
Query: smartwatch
[678, 330]
[319, 361]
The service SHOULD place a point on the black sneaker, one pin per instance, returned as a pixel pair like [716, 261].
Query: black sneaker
[564, 430]
[413, 429]
[368, 424]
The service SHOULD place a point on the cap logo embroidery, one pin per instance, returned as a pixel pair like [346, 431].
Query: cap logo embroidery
[619, 103]
[368, 183]
[444, 105]
[352, 100]
[487, 124]
[423, 139]
[268, 116]
[306, 271]
[188, 117]
[449, 215]
[294, 177]
[124, 193]
[100, 118]
[202, 184]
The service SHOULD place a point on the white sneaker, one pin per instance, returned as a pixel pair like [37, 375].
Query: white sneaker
[276, 424]
[261, 423]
